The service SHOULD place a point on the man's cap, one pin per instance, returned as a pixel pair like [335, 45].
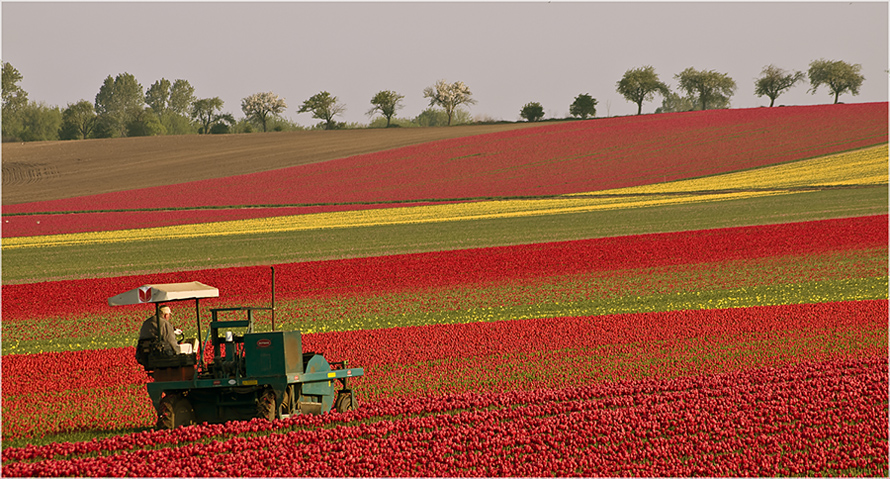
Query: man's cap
[166, 310]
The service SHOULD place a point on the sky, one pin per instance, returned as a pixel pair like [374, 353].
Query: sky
[507, 53]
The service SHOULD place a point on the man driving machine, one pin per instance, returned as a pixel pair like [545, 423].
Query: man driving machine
[149, 332]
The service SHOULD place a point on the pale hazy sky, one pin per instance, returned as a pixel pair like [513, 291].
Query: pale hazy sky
[508, 53]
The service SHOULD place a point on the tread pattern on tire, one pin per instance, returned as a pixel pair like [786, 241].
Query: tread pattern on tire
[168, 418]
[345, 402]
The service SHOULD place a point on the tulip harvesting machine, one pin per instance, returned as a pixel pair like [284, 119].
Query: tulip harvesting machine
[252, 374]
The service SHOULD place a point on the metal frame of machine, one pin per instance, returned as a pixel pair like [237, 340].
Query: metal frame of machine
[251, 374]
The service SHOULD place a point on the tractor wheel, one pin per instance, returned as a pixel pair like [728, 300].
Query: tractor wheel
[265, 406]
[346, 401]
[286, 407]
[175, 411]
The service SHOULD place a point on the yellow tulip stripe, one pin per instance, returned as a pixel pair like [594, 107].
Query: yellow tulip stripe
[861, 167]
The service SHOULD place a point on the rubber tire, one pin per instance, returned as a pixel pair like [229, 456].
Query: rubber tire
[175, 411]
[346, 402]
[265, 405]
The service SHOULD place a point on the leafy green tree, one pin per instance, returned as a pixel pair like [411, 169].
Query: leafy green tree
[449, 96]
[40, 122]
[120, 101]
[260, 106]
[25, 120]
[15, 100]
[641, 84]
[583, 106]
[157, 95]
[171, 103]
[182, 95]
[532, 111]
[146, 124]
[78, 121]
[386, 102]
[206, 111]
[105, 127]
[14, 96]
[165, 97]
[773, 81]
[12, 125]
[709, 88]
[334, 125]
[431, 117]
[280, 123]
[243, 125]
[840, 77]
[323, 106]
[222, 128]
[176, 124]
[673, 102]
[438, 117]
[381, 122]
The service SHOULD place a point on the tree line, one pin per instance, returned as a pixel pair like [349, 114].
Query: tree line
[123, 108]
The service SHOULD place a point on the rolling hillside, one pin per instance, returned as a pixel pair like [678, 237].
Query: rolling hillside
[604, 297]
[553, 159]
[511, 185]
[41, 171]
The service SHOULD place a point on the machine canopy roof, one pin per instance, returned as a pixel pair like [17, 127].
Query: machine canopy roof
[159, 293]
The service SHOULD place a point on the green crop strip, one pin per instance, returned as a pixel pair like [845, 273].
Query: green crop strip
[827, 277]
[30, 265]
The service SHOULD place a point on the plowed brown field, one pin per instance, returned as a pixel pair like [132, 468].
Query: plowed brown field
[51, 170]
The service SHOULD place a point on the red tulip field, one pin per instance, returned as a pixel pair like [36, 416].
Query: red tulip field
[579, 157]
[752, 350]
[810, 418]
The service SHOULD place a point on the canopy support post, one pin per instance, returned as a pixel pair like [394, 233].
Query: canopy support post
[158, 319]
[273, 298]
[200, 344]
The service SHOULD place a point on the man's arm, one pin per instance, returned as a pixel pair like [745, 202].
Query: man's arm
[169, 336]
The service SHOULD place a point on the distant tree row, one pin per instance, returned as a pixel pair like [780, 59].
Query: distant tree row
[123, 108]
[709, 89]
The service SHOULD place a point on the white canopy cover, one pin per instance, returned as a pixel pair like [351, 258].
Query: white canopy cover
[159, 293]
